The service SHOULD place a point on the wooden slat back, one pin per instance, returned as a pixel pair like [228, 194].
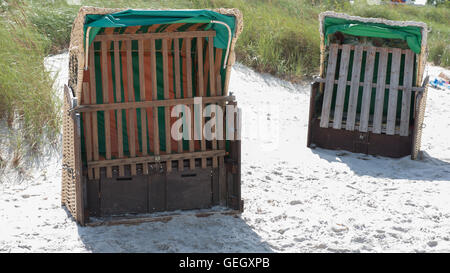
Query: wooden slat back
[373, 94]
[122, 78]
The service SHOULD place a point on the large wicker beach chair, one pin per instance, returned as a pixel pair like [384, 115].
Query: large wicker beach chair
[370, 97]
[128, 70]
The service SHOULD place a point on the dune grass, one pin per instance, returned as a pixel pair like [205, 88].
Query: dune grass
[280, 36]
[28, 103]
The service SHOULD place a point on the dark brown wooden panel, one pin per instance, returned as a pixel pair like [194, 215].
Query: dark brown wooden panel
[360, 142]
[123, 195]
[93, 198]
[215, 187]
[189, 189]
[157, 192]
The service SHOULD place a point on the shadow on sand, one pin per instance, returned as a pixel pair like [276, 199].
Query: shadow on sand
[427, 168]
[217, 233]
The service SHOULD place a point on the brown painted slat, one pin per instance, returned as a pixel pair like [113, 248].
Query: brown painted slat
[176, 53]
[367, 91]
[374, 85]
[377, 49]
[105, 87]
[152, 159]
[212, 74]
[189, 94]
[131, 113]
[154, 97]
[146, 104]
[406, 98]
[379, 97]
[222, 106]
[94, 115]
[118, 98]
[354, 89]
[166, 96]
[159, 35]
[143, 98]
[393, 92]
[201, 94]
[88, 137]
[329, 86]
[212, 87]
[340, 96]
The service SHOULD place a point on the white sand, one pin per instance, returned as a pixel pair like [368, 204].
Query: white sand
[296, 199]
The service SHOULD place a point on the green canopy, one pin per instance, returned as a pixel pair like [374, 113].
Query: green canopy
[411, 34]
[132, 17]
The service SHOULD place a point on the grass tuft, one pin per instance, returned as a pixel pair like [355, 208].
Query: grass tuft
[27, 100]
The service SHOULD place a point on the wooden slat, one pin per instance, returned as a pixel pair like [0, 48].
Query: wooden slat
[176, 53]
[393, 92]
[159, 35]
[377, 49]
[406, 97]
[94, 115]
[88, 136]
[354, 89]
[370, 128]
[153, 159]
[329, 86]
[222, 106]
[367, 91]
[155, 98]
[340, 96]
[212, 87]
[118, 98]
[201, 94]
[212, 76]
[142, 95]
[189, 94]
[374, 85]
[131, 113]
[379, 97]
[147, 104]
[166, 96]
[105, 87]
